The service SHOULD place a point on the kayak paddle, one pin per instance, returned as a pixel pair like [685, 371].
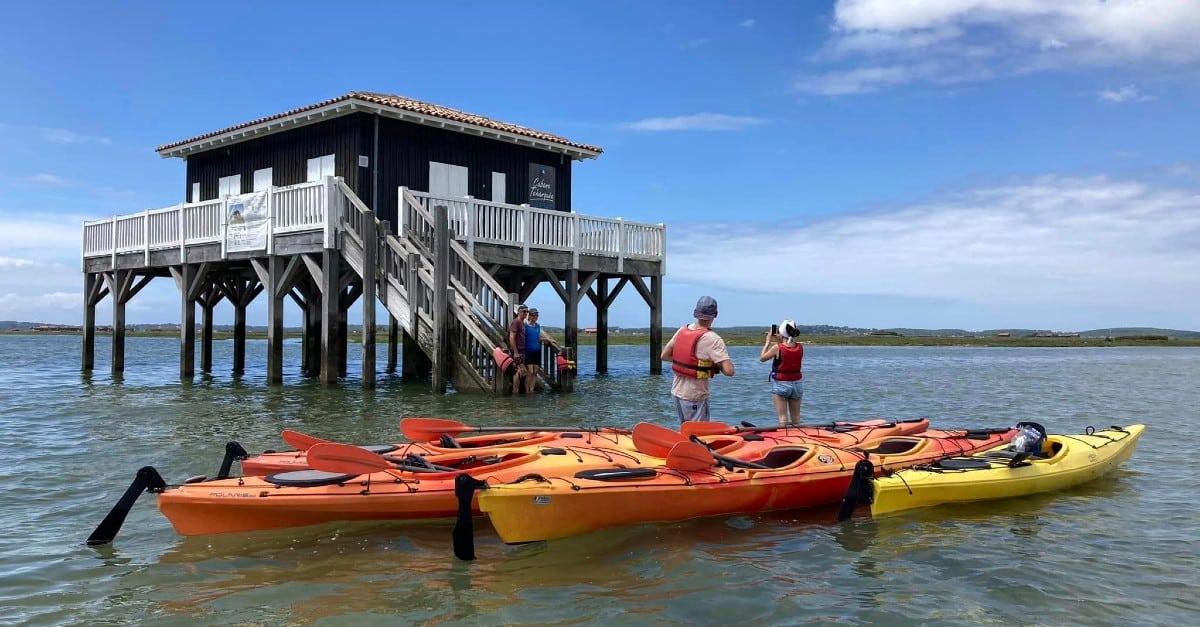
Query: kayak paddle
[300, 441]
[427, 429]
[689, 456]
[655, 440]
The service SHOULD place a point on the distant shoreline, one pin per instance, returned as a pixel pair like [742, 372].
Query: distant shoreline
[738, 339]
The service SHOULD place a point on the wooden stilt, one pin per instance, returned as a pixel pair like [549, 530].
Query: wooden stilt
[93, 292]
[656, 326]
[347, 298]
[240, 292]
[601, 325]
[441, 282]
[393, 341]
[209, 297]
[370, 250]
[330, 295]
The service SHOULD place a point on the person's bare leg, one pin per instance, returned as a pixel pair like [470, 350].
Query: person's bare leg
[794, 409]
[530, 378]
[517, 380]
[781, 408]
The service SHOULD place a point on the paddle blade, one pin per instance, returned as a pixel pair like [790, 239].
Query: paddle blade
[300, 441]
[345, 459]
[695, 427]
[147, 479]
[655, 440]
[428, 429]
[689, 456]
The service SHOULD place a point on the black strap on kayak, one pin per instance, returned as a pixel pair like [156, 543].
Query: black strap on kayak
[616, 474]
[859, 490]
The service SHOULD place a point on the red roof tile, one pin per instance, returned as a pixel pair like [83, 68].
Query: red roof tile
[407, 104]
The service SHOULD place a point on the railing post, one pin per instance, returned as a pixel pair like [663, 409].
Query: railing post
[401, 210]
[620, 244]
[114, 242]
[662, 248]
[146, 235]
[526, 233]
[330, 196]
[469, 227]
[224, 226]
[271, 220]
[182, 234]
[576, 236]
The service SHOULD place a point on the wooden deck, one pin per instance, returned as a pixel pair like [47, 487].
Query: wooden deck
[450, 274]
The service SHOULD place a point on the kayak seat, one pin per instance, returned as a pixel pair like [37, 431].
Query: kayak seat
[893, 447]
[379, 449]
[448, 441]
[781, 457]
[1002, 454]
[307, 478]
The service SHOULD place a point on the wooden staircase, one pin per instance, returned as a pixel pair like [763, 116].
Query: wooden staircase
[454, 309]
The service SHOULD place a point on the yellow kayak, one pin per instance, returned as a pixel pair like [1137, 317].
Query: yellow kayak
[998, 473]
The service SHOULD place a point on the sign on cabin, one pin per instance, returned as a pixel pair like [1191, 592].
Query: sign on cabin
[541, 186]
[247, 222]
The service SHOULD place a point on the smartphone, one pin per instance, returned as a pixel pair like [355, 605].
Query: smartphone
[774, 329]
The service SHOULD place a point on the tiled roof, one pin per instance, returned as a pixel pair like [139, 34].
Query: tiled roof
[406, 104]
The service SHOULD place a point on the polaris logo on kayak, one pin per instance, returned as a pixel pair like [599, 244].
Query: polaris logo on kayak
[541, 500]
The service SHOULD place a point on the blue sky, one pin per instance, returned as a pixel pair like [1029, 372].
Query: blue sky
[963, 163]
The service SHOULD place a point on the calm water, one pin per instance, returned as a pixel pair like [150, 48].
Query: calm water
[1121, 550]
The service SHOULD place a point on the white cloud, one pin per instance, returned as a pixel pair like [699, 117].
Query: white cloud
[1051, 241]
[14, 262]
[65, 136]
[747, 23]
[696, 43]
[38, 307]
[696, 122]
[49, 179]
[1128, 93]
[1014, 36]
[861, 80]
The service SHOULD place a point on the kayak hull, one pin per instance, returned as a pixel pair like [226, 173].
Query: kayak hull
[565, 505]
[1077, 459]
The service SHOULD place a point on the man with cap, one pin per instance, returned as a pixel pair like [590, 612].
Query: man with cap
[696, 354]
[516, 344]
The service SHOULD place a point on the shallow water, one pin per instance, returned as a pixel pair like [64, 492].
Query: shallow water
[1119, 550]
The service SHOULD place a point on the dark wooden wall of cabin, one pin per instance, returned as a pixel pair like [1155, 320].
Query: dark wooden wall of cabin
[405, 150]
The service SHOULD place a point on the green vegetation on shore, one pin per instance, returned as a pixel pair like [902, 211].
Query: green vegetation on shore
[736, 338]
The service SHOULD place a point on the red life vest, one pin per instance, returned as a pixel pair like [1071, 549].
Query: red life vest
[787, 366]
[683, 355]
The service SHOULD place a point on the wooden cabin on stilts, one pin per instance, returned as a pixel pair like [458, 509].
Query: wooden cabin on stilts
[446, 219]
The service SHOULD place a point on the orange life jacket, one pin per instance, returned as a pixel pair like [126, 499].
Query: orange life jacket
[786, 366]
[683, 355]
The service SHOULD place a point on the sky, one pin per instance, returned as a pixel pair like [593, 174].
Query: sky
[972, 164]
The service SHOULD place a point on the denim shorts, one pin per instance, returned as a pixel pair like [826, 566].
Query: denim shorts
[788, 390]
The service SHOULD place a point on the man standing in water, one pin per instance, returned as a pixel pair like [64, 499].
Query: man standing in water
[516, 345]
[696, 354]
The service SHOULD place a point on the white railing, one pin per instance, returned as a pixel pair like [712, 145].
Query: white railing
[480, 221]
[291, 209]
[315, 207]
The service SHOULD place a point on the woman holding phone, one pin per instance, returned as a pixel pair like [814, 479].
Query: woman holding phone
[787, 354]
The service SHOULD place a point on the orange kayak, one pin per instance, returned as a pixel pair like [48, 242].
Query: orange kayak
[283, 461]
[782, 474]
[417, 487]
[435, 436]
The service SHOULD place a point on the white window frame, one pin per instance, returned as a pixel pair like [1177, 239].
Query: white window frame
[229, 185]
[321, 167]
[263, 179]
[195, 193]
[448, 181]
